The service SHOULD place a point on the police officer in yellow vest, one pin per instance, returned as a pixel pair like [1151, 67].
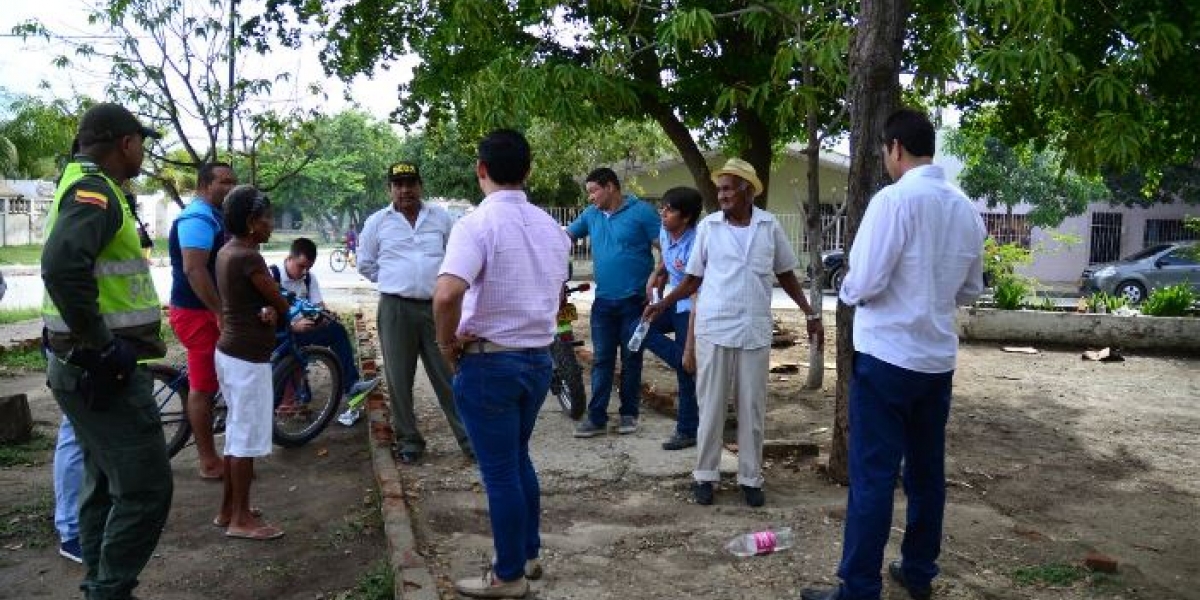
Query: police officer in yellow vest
[102, 315]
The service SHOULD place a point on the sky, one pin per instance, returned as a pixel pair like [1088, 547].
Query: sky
[24, 66]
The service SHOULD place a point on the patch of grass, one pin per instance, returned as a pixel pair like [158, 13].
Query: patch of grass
[30, 524]
[358, 523]
[28, 359]
[378, 583]
[34, 452]
[25, 254]
[1049, 575]
[16, 315]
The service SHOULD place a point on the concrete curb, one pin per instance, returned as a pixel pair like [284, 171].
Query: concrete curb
[413, 578]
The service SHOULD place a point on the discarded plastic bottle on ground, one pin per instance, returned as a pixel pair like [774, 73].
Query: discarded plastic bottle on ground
[761, 542]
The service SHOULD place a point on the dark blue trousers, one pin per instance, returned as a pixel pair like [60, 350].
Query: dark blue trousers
[670, 351]
[895, 414]
[333, 336]
[613, 321]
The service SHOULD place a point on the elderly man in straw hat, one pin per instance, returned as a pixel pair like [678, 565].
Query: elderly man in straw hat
[737, 253]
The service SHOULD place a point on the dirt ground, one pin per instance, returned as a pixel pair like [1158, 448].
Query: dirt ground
[321, 495]
[1049, 457]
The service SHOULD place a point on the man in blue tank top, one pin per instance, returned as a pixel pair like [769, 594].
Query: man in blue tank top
[195, 313]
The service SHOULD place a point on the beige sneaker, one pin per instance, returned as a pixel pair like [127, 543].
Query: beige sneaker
[533, 569]
[490, 587]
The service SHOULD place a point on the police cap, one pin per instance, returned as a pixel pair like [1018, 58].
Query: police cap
[108, 122]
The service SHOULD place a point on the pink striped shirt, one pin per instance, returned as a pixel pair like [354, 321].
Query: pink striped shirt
[513, 257]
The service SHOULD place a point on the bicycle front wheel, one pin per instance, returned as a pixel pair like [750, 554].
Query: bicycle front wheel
[170, 395]
[337, 260]
[307, 394]
[568, 379]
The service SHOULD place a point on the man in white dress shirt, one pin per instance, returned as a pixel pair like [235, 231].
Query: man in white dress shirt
[401, 249]
[917, 256]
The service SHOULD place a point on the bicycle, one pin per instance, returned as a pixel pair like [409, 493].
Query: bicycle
[567, 381]
[307, 384]
[342, 256]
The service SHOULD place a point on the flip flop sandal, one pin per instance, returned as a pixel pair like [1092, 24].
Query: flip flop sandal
[263, 533]
[254, 510]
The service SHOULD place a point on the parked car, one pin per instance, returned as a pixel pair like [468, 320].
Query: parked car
[1135, 276]
[834, 272]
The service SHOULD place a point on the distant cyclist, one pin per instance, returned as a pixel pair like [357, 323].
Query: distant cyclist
[351, 239]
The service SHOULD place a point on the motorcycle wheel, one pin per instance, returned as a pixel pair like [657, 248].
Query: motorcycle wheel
[568, 380]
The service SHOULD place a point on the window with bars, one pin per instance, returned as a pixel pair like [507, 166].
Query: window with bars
[1009, 229]
[1160, 231]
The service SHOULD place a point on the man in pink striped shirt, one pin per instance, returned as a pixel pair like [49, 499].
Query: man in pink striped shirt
[494, 311]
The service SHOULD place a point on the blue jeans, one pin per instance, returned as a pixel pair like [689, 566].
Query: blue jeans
[895, 414]
[613, 321]
[671, 352]
[499, 396]
[68, 480]
[333, 336]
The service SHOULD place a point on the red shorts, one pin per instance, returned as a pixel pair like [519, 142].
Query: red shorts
[197, 330]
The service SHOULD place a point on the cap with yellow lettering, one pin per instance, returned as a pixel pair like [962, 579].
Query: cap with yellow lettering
[404, 170]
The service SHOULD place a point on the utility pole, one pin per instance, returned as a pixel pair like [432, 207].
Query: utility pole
[232, 60]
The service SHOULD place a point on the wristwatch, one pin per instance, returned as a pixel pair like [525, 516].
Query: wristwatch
[816, 316]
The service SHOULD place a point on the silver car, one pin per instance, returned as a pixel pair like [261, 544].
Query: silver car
[1133, 277]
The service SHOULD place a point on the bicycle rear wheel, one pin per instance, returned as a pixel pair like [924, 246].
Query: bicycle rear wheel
[568, 379]
[306, 395]
[337, 260]
[170, 395]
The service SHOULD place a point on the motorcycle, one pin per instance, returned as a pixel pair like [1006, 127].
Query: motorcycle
[567, 384]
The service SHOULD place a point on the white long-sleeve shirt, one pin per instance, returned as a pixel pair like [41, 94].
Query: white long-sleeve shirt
[404, 258]
[917, 256]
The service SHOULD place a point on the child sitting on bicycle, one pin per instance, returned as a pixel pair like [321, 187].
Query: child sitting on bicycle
[251, 306]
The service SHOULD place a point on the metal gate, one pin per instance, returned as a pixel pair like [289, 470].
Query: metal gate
[1106, 237]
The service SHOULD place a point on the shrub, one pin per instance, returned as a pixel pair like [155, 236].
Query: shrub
[1105, 302]
[1010, 293]
[1170, 301]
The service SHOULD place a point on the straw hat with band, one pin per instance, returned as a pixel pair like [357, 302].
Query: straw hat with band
[742, 169]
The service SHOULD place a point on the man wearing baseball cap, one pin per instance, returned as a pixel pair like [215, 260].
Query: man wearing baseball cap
[102, 315]
[737, 253]
[401, 249]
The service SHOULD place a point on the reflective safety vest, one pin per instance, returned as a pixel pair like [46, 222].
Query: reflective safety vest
[127, 297]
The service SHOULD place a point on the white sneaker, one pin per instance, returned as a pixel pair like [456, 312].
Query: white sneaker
[490, 587]
[350, 417]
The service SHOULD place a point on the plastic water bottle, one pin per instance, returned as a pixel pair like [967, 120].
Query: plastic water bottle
[639, 334]
[761, 542]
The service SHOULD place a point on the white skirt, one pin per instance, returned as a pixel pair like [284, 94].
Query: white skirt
[249, 395]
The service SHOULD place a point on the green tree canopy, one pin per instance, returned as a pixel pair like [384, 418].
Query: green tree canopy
[1112, 84]
[1004, 176]
[705, 71]
[36, 135]
[348, 156]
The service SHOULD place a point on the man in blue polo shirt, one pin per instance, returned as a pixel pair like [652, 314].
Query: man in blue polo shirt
[623, 229]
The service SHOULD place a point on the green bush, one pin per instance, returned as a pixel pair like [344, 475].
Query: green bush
[1105, 302]
[1170, 301]
[1010, 293]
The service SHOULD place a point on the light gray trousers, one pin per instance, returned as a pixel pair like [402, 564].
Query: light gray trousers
[719, 371]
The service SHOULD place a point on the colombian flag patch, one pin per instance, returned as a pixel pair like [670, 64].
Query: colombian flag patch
[93, 198]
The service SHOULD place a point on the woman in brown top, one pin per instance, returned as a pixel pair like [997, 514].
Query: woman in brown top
[250, 308]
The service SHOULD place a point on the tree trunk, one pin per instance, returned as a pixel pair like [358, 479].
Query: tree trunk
[758, 150]
[873, 94]
[693, 158]
[816, 355]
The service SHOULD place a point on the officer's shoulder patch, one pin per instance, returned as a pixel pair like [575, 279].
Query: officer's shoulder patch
[93, 195]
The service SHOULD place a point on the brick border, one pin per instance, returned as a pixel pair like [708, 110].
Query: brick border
[413, 578]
